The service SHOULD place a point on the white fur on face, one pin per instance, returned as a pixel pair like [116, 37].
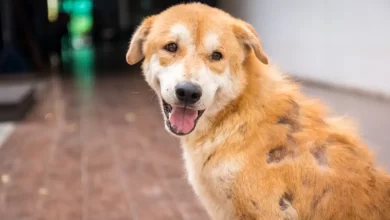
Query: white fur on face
[211, 42]
[227, 90]
[217, 88]
[210, 82]
[182, 32]
[168, 77]
[164, 79]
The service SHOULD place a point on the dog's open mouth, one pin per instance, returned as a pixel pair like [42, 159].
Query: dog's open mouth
[181, 120]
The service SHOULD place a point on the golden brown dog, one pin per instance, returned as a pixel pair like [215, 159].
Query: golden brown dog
[254, 146]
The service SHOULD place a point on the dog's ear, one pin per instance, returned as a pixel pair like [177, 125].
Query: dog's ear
[135, 52]
[248, 36]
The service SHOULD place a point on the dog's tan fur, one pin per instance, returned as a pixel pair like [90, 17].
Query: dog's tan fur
[271, 152]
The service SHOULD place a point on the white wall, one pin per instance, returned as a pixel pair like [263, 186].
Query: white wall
[343, 42]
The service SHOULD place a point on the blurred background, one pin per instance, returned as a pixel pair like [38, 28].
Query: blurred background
[81, 134]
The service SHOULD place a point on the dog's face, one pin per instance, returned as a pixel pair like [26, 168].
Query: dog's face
[194, 60]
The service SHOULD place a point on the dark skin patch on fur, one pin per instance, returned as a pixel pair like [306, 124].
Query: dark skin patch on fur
[283, 205]
[284, 120]
[229, 196]
[243, 128]
[319, 153]
[291, 117]
[276, 155]
[255, 204]
[284, 200]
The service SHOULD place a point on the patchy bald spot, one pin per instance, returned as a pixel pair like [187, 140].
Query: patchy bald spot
[211, 42]
[276, 155]
[285, 201]
[182, 32]
[319, 154]
[255, 204]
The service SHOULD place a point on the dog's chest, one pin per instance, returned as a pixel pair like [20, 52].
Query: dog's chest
[212, 179]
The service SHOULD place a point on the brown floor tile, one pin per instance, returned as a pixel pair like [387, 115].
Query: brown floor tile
[20, 195]
[150, 199]
[145, 186]
[185, 199]
[106, 196]
[63, 195]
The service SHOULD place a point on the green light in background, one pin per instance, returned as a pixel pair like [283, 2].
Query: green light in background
[81, 15]
[83, 68]
[67, 6]
[80, 24]
[83, 7]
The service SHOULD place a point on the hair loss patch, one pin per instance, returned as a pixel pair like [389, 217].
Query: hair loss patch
[319, 154]
[278, 154]
[285, 201]
[291, 117]
[285, 205]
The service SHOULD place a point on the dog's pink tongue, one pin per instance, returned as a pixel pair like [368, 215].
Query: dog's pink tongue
[182, 120]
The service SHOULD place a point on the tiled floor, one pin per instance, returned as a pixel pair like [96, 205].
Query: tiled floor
[95, 149]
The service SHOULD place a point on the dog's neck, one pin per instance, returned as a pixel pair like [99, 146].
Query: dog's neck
[249, 109]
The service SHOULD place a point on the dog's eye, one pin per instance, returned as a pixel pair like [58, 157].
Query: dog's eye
[171, 47]
[216, 56]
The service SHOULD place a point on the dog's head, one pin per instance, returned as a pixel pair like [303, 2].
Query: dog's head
[194, 59]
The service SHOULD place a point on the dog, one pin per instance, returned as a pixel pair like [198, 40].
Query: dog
[254, 146]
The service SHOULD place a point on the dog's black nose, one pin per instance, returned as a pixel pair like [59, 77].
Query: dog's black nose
[187, 92]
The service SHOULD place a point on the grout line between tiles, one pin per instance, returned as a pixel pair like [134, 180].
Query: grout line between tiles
[117, 159]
